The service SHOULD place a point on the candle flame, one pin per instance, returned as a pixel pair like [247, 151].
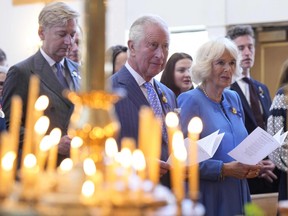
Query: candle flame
[41, 103]
[172, 119]
[8, 161]
[42, 124]
[45, 143]
[88, 188]
[138, 160]
[195, 126]
[55, 136]
[89, 167]
[126, 158]
[111, 148]
[76, 142]
[30, 161]
[66, 165]
[178, 146]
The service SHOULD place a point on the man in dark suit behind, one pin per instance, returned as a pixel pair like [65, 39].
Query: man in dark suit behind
[243, 36]
[57, 28]
[148, 46]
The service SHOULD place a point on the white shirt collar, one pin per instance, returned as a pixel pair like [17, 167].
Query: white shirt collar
[136, 76]
[50, 61]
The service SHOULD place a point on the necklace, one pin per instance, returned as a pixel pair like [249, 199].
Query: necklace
[202, 88]
[204, 91]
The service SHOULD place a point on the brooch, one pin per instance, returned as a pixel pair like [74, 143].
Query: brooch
[164, 99]
[261, 92]
[75, 74]
[235, 111]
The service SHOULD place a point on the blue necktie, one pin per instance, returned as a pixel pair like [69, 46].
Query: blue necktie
[60, 75]
[156, 106]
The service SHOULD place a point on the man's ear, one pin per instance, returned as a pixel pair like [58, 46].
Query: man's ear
[41, 33]
[131, 45]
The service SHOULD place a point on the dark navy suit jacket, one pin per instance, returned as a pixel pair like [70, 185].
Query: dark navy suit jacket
[127, 109]
[257, 185]
[264, 98]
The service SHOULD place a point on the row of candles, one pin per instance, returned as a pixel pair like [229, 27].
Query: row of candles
[40, 154]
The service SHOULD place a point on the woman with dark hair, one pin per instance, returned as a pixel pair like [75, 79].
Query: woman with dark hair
[177, 73]
[118, 56]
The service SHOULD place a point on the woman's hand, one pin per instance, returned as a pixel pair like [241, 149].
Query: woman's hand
[241, 171]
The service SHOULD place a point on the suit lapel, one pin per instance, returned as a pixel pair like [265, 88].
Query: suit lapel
[47, 76]
[134, 93]
[244, 101]
[74, 74]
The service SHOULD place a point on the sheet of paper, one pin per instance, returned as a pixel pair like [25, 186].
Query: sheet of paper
[207, 146]
[257, 146]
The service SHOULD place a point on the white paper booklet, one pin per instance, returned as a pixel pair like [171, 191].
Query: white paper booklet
[257, 146]
[207, 146]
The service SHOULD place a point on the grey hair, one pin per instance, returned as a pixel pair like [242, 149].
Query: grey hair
[56, 14]
[137, 29]
[211, 51]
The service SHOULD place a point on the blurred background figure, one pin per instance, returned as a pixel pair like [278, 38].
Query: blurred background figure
[118, 56]
[283, 79]
[177, 73]
[3, 58]
[75, 52]
[3, 73]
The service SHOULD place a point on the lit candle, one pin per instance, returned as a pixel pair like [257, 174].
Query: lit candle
[29, 176]
[40, 128]
[76, 143]
[92, 173]
[87, 192]
[33, 92]
[195, 127]
[55, 136]
[40, 105]
[65, 166]
[139, 163]
[7, 173]
[45, 145]
[172, 122]
[111, 150]
[179, 156]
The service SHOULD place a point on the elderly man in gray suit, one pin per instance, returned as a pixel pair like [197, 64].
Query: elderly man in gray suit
[148, 50]
[57, 28]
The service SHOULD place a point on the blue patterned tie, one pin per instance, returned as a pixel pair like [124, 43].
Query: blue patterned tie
[156, 106]
[60, 75]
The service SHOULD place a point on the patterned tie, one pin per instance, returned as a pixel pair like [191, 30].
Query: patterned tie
[156, 106]
[255, 107]
[60, 75]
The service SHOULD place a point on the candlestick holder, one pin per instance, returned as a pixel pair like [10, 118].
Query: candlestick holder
[94, 121]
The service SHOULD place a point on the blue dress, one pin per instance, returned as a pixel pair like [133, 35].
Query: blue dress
[220, 197]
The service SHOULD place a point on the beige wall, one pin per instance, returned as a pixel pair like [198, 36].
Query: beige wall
[19, 23]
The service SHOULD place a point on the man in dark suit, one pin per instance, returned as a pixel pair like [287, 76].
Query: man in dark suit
[243, 36]
[148, 46]
[57, 28]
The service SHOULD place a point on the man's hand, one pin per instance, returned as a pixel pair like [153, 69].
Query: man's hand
[267, 170]
[164, 167]
[64, 145]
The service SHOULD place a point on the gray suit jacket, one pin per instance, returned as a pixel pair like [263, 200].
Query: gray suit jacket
[17, 83]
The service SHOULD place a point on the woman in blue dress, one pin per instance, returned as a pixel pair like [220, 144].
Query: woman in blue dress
[223, 186]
